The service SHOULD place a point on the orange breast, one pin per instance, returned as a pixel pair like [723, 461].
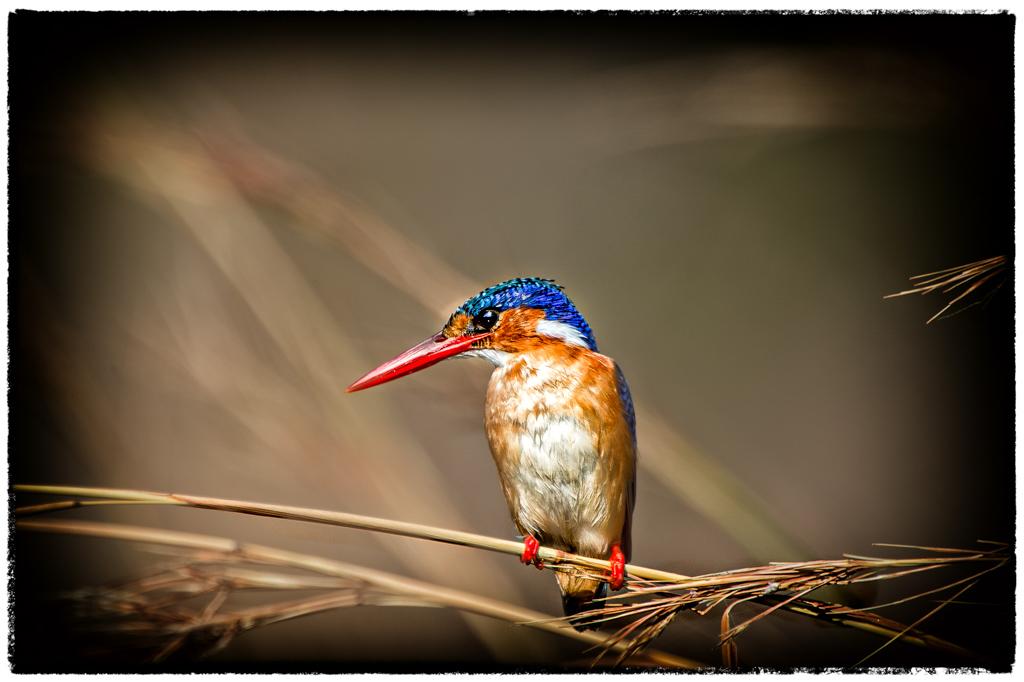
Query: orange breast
[563, 449]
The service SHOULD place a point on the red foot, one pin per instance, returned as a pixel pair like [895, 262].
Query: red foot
[618, 561]
[530, 547]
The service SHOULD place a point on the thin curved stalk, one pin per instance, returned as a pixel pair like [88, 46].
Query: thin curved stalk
[331, 518]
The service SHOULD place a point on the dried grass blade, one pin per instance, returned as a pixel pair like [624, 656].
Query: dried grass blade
[966, 274]
[914, 624]
[947, 550]
[965, 293]
[771, 609]
[895, 574]
[730, 650]
[957, 268]
[949, 279]
[664, 617]
[912, 597]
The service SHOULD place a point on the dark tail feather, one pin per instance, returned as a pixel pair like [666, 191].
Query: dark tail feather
[573, 604]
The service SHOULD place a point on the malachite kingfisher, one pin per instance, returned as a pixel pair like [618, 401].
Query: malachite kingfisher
[559, 421]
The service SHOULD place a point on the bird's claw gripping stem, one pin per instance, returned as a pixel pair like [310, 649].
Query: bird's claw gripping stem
[529, 556]
[618, 562]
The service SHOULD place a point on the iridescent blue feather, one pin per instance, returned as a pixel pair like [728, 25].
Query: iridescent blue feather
[532, 292]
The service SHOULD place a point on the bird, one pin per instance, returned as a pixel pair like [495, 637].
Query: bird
[559, 421]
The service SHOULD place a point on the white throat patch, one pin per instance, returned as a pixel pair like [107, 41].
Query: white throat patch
[560, 330]
[495, 357]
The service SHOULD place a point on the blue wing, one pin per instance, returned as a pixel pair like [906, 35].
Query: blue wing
[627, 401]
[627, 409]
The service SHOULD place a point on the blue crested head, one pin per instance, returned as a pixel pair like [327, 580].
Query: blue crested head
[531, 292]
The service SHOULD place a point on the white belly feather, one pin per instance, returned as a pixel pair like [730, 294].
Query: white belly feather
[556, 467]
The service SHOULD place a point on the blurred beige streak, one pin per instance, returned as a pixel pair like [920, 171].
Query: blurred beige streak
[640, 106]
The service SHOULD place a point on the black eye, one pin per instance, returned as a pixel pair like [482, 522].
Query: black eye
[486, 319]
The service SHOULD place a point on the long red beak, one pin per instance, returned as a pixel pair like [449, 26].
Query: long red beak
[423, 355]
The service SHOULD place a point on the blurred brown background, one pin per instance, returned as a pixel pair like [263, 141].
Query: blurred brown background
[219, 221]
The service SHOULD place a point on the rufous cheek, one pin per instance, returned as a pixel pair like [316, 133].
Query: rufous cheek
[516, 331]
